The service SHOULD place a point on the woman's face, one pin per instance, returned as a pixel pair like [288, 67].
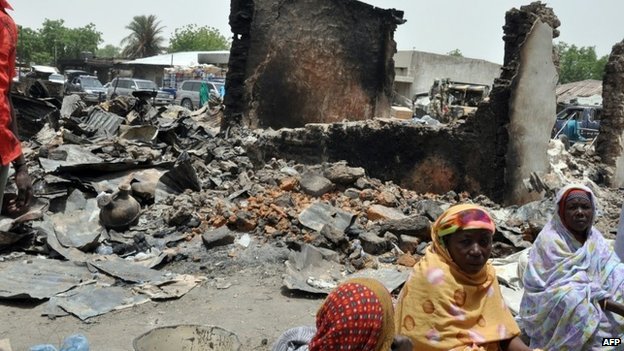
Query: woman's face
[577, 215]
[470, 249]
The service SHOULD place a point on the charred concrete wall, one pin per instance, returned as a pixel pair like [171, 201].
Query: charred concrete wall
[469, 156]
[609, 142]
[495, 121]
[309, 61]
[417, 157]
[532, 107]
[241, 15]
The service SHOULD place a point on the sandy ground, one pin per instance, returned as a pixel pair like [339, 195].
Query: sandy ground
[254, 306]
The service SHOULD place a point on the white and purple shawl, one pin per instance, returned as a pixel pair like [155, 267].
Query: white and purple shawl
[563, 281]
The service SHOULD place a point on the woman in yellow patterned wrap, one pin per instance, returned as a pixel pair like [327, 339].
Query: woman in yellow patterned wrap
[452, 300]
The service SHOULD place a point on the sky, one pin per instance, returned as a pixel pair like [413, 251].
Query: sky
[440, 26]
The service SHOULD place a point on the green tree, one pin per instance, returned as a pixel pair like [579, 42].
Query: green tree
[53, 33]
[194, 38]
[109, 51]
[30, 48]
[456, 53]
[81, 39]
[145, 38]
[579, 63]
[54, 41]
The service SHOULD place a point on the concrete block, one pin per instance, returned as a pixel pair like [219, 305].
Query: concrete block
[401, 112]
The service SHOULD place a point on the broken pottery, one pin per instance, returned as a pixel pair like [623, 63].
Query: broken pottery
[187, 337]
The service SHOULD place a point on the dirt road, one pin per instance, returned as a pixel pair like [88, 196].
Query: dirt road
[254, 306]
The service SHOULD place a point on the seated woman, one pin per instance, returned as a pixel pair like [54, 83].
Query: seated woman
[573, 280]
[452, 300]
[357, 315]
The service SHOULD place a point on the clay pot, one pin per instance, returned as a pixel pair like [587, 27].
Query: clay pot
[119, 210]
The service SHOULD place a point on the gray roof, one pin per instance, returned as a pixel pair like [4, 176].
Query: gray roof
[582, 89]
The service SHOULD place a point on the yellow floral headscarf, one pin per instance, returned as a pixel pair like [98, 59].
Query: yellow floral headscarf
[443, 308]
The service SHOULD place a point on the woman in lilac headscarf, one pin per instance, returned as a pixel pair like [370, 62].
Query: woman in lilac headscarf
[573, 281]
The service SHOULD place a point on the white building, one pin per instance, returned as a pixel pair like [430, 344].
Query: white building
[415, 71]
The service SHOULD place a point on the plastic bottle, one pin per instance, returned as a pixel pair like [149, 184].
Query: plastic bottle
[76, 342]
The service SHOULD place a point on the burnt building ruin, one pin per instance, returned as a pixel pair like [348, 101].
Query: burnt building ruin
[532, 101]
[490, 153]
[309, 61]
[609, 141]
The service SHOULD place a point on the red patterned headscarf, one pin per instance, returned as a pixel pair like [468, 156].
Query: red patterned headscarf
[357, 315]
[5, 4]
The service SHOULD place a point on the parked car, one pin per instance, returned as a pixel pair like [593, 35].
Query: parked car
[56, 78]
[42, 82]
[126, 86]
[71, 74]
[187, 94]
[589, 122]
[89, 88]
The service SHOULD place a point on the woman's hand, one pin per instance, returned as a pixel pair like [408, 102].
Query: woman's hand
[401, 343]
[514, 344]
[612, 306]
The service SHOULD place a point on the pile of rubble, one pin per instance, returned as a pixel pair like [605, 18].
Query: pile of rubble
[197, 185]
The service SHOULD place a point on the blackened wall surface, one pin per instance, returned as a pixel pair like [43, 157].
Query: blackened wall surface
[609, 142]
[312, 61]
[532, 107]
[241, 14]
[416, 157]
[492, 120]
[468, 156]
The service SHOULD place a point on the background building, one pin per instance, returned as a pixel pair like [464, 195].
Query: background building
[415, 71]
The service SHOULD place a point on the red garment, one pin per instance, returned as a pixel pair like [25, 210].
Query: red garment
[10, 148]
[5, 5]
[351, 318]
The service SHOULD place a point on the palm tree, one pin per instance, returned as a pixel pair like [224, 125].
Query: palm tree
[145, 39]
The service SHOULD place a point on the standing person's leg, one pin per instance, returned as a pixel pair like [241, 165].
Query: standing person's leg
[4, 176]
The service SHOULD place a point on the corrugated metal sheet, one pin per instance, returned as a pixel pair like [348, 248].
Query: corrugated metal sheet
[101, 122]
[584, 88]
[33, 114]
[128, 271]
[40, 278]
[88, 301]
